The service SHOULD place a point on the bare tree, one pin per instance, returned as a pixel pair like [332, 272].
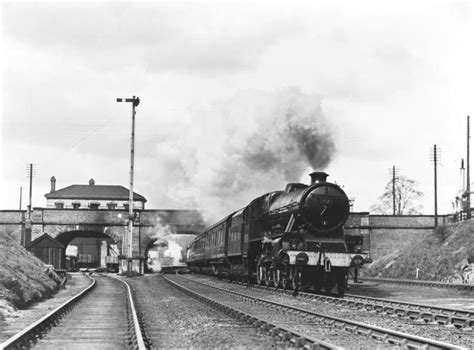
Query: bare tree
[406, 198]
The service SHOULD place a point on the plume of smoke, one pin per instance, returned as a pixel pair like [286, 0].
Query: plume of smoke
[233, 151]
[168, 244]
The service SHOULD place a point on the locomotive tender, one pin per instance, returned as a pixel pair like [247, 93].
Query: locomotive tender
[290, 239]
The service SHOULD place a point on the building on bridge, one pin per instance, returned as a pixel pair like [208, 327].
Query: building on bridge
[92, 196]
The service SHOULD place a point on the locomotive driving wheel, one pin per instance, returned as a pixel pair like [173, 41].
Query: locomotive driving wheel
[294, 278]
[278, 277]
[261, 274]
[285, 278]
[268, 276]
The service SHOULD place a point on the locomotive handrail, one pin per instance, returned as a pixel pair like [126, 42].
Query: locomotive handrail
[281, 209]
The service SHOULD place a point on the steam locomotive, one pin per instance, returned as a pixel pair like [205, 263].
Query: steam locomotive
[291, 239]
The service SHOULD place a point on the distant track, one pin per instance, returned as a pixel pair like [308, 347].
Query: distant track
[462, 286]
[101, 316]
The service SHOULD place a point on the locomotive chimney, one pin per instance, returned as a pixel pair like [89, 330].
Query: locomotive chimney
[53, 184]
[318, 176]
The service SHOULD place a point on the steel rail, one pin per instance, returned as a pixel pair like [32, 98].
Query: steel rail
[276, 330]
[27, 336]
[138, 335]
[399, 338]
[428, 313]
[419, 283]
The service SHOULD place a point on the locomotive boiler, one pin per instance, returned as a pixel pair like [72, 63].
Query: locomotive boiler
[291, 239]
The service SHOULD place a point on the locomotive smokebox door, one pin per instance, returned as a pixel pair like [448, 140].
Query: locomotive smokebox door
[325, 207]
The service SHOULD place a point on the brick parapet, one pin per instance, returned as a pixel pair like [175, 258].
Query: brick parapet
[12, 216]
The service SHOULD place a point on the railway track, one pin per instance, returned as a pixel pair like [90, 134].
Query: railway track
[422, 283]
[413, 311]
[102, 316]
[298, 326]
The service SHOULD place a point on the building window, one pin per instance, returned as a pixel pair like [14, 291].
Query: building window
[111, 205]
[76, 205]
[94, 206]
[59, 205]
[125, 206]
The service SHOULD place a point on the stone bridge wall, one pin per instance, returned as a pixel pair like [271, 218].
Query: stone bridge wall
[113, 223]
[13, 221]
[383, 234]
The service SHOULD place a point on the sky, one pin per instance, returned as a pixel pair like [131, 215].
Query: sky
[237, 98]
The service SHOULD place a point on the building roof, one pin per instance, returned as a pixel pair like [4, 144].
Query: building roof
[48, 238]
[97, 192]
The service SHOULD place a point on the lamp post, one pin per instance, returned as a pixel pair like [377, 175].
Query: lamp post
[135, 102]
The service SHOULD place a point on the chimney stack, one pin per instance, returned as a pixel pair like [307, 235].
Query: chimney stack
[91, 182]
[53, 184]
[318, 176]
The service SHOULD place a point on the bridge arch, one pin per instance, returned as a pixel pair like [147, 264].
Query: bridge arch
[68, 236]
[91, 248]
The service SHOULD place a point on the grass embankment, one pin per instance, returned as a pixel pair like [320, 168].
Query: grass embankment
[440, 257]
[24, 279]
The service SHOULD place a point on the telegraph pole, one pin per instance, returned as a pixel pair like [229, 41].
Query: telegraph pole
[21, 192]
[393, 188]
[468, 175]
[135, 102]
[435, 157]
[30, 171]
[393, 174]
[26, 235]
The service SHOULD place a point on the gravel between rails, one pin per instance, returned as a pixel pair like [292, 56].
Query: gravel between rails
[459, 337]
[174, 320]
[23, 318]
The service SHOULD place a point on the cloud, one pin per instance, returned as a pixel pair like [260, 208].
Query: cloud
[183, 37]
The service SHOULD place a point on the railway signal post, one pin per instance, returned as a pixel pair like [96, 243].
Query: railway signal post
[135, 101]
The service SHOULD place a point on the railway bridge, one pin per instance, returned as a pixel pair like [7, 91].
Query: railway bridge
[64, 225]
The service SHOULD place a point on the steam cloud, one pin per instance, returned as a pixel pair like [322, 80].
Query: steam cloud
[168, 245]
[231, 152]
